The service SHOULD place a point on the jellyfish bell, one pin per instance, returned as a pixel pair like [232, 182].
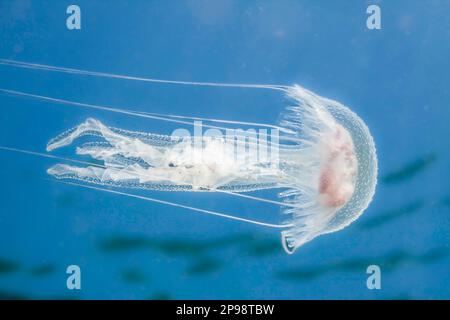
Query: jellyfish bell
[344, 170]
[326, 164]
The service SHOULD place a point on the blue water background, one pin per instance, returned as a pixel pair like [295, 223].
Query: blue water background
[396, 79]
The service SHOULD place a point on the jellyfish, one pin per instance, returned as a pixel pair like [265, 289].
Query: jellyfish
[325, 163]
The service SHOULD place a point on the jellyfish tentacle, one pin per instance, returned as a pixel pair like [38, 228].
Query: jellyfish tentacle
[36, 66]
[123, 162]
[89, 127]
[152, 139]
[280, 203]
[130, 177]
[264, 125]
[174, 204]
[120, 144]
[96, 144]
[49, 156]
[90, 106]
[67, 137]
[126, 162]
[286, 136]
[116, 160]
[182, 163]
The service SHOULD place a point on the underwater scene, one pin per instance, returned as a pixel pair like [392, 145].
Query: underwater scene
[165, 150]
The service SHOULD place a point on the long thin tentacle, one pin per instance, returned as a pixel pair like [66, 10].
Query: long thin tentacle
[35, 66]
[45, 155]
[139, 114]
[246, 123]
[173, 204]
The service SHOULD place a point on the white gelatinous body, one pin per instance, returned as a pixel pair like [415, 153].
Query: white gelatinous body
[342, 168]
[327, 164]
[326, 161]
[160, 162]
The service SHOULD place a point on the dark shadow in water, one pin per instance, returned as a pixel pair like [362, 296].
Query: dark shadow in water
[185, 247]
[66, 200]
[8, 266]
[161, 296]
[390, 215]
[182, 247]
[387, 263]
[197, 248]
[11, 295]
[62, 297]
[445, 201]
[204, 266]
[200, 262]
[133, 275]
[124, 243]
[410, 169]
[42, 270]
[401, 296]
[264, 247]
